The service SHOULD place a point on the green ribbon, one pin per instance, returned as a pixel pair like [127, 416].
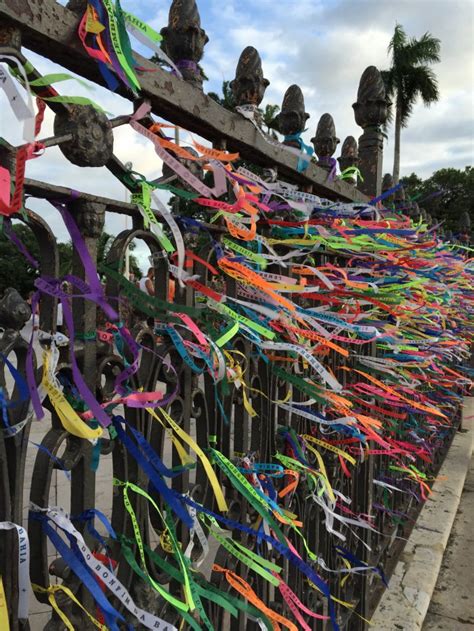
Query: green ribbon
[150, 305]
[119, 39]
[252, 256]
[248, 491]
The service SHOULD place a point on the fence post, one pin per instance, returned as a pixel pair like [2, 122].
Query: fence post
[90, 218]
[371, 111]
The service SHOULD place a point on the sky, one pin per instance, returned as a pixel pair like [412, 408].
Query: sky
[323, 46]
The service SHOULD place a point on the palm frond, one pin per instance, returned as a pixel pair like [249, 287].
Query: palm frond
[398, 41]
[418, 81]
[388, 77]
[390, 89]
[269, 116]
[424, 50]
[427, 84]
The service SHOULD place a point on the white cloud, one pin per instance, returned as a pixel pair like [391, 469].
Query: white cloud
[324, 46]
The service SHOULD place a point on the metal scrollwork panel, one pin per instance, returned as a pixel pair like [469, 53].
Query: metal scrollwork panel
[15, 312]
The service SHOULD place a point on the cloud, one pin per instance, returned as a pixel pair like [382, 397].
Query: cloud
[324, 46]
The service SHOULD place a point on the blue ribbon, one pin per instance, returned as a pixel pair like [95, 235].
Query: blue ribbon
[154, 460]
[301, 565]
[80, 570]
[173, 499]
[346, 554]
[303, 161]
[388, 193]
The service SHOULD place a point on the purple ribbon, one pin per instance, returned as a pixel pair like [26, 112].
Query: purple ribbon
[51, 288]
[186, 64]
[89, 267]
[19, 244]
[276, 206]
[332, 163]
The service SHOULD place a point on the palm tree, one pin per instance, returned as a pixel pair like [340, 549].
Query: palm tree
[408, 78]
[269, 119]
[227, 100]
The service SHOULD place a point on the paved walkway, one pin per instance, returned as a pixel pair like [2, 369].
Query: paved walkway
[435, 572]
[452, 604]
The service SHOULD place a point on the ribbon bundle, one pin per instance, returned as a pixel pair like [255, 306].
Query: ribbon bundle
[362, 321]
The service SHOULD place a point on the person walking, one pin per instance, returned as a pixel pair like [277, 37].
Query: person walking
[147, 283]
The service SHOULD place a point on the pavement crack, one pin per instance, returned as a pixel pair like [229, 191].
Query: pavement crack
[419, 527]
[469, 621]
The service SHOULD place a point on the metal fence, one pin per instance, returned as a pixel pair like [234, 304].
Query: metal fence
[50, 29]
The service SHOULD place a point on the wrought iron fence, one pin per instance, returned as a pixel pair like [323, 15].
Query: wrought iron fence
[86, 138]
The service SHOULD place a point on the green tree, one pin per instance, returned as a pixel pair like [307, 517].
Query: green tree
[65, 258]
[408, 78]
[269, 119]
[448, 195]
[227, 99]
[16, 271]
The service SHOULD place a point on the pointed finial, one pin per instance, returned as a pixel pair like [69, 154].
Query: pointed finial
[184, 39]
[292, 118]
[371, 108]
[349, 157]
[249, 84]
[325, 141]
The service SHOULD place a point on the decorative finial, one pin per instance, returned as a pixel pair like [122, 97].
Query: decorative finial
[387, 182]
[371, 108]
[325, 143]
[292, 118]
[184, 39]
[349, 157]
[249, 84]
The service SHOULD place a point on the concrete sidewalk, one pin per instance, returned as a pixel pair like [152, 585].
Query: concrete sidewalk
[432, 585]
[452, 604]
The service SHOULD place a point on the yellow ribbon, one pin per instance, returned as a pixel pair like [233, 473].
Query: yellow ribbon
[66, 413]
[329, 447]
[4, 621]
[51, 591]
[216, 487]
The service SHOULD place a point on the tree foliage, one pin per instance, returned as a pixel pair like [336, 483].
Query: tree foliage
[410, 77]
[269, 116]
[227, 99]
[448, 195]
[17, 272]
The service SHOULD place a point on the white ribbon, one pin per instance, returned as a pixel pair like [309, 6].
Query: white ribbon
[23, 567]
[61, 519]
[306, 355]
[199, 532]
[24, 111]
